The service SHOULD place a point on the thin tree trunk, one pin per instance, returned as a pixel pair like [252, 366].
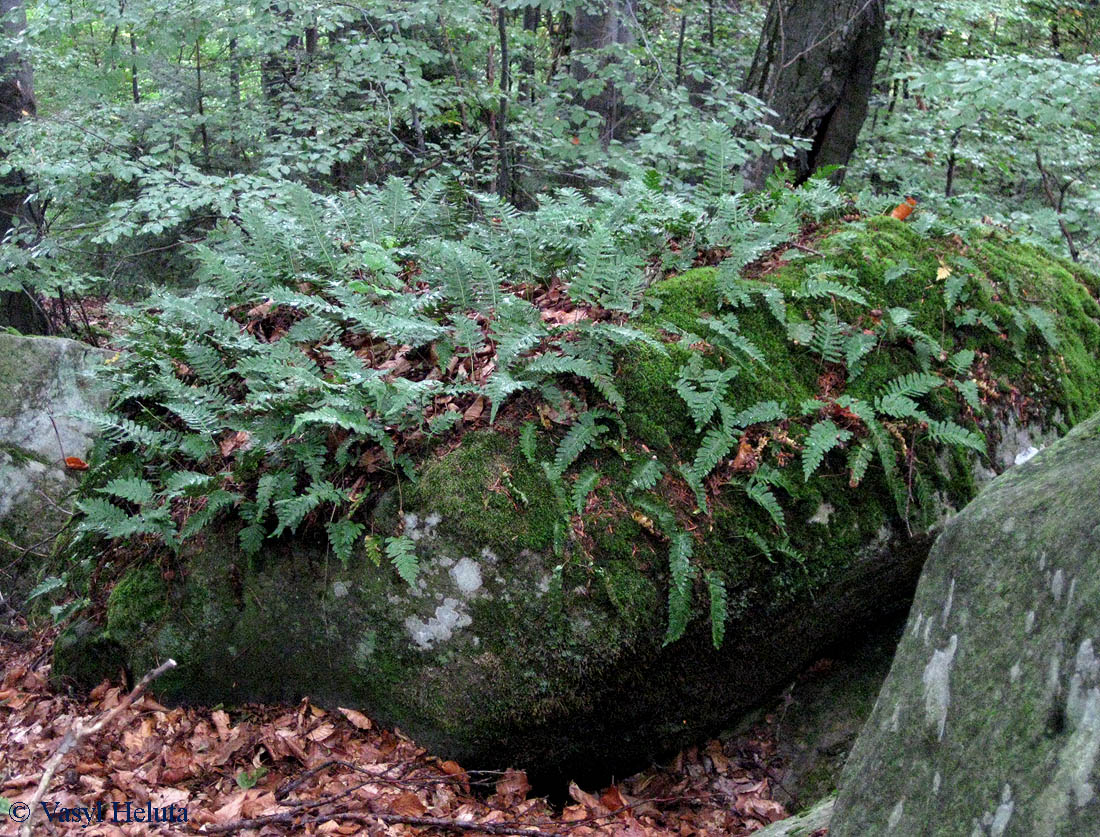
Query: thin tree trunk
[593, 31]
[504, 168]
[680, 49]
[815, 67]
[18, 309]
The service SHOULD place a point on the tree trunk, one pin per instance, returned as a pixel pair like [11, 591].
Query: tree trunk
[18, 309]
[596, 27]
[814, 66]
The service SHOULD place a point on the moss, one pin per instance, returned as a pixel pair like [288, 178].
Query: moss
[486, 490]
[136, 605]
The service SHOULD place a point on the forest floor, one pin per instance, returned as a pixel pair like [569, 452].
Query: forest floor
[275, 770]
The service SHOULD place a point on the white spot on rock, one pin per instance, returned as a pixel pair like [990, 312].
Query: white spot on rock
[1029, 621]
[895, 816]
[466, 575]
[823, 513]
[937, 685]
[1057, 585]
[936, 782]
[1024, 455]
[1014, 672]
[1003, 813]
[339, 589]
[947, 604]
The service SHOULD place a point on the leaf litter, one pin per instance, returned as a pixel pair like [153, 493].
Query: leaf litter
[264, 770]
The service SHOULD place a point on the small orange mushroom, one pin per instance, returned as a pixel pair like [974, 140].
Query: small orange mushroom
[904, 210]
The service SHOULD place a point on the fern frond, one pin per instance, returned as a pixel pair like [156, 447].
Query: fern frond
[342, 535]
[401, 551]
[585, 485]
[822, 438]
[646, 473]
[681, 573]
[719, 607]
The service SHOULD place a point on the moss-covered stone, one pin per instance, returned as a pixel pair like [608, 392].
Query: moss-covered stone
[510, 651]
[989, 722]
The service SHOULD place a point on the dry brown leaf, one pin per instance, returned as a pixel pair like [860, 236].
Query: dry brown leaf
[355, 718]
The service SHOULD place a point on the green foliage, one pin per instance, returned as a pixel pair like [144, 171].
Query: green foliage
[401, 551]
[822, 438]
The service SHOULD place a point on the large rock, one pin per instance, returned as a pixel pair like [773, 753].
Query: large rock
[45, 380]
[509, 651]
[989, 722]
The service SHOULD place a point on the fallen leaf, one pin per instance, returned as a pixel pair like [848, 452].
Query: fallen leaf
[75, 463]
[355, 718]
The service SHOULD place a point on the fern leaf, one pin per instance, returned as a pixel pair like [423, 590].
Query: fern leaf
[401, 551]
[646, 473]
[822, 438]
[527, 442]
[681, 573]
[819, 288]
[762, 495]
[859, 458]
[583, 433]
[1045, 323]
[131, 489]
[760, 413]
[584, 486]
[703, 389]
[719, 607]
[949, 433]
[342, 535]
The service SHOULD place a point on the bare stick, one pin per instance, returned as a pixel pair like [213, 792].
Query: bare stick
[76, 735]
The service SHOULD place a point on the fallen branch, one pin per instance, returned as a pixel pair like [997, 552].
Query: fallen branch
[78, 733]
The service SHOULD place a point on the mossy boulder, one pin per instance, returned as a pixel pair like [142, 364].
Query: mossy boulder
[536, 632]
[989, 721]
[45, 381]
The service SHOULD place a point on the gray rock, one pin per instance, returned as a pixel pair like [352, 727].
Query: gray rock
[45, 380]
[989, 722]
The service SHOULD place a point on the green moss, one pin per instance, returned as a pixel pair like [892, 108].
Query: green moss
[136, 605]
[486, 490]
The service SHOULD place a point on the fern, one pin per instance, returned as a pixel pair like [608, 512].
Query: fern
[760, 413]
[949, 433]
[719, 607]
[681, 574]
[729, 337]
[822, 438]
[527, 441]
[819, 288]
[859, 458]
[586, 483]
[583, 433]
[761, 494]
[703, 389]
[401, 552]
[131, 489]
[828, 338]
[646, 473]
[342, 535]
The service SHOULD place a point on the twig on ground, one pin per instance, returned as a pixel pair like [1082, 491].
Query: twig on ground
[78, 733]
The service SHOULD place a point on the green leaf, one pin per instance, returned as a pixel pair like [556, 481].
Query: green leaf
[646, 473]
[719, 607]
[585, 485]
[401, 551]
[822, 438]
[342, 535]
[132, 489]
